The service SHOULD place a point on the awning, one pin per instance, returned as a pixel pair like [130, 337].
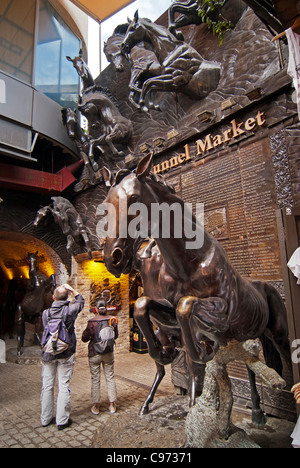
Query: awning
[101, 10]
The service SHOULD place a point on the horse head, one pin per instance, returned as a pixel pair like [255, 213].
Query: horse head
[135, 33]
[124, 199]
[112, 48]
[82, 70]
[41, 215]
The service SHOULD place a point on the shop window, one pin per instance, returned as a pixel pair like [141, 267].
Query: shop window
[54, 75]
[17, 18]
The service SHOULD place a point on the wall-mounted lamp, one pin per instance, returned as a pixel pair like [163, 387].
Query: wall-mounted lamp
[159, 141]
[145, 147]
[254, 94]
[205, 116]
[227, 104]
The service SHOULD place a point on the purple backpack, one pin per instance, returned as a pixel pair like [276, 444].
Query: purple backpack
[56, 336]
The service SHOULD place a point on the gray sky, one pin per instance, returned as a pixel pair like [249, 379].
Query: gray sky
[151, 9]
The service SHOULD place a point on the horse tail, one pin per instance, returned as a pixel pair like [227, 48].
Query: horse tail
[275, 340]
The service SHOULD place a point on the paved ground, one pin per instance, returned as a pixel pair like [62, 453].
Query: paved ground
[20, 387]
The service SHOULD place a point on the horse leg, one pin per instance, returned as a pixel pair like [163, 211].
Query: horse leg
[143, 307]
[20, 320]
[161, 83]
[275, 339]
[208, 316]
[192, 381]
[112, 147]
[38, 328]
[185, 9]
[160, 373]
[258, 417]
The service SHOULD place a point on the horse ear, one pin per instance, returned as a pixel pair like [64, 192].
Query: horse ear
[144, 167]
[107, 176]
[80, 53]
[69, 58]
[136, 16]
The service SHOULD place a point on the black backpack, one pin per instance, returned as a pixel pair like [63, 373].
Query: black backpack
[104, 339]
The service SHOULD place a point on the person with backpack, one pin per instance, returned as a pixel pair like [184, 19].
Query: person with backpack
[58, 348]
[101, 332]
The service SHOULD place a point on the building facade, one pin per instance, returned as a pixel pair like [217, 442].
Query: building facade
[235, 150]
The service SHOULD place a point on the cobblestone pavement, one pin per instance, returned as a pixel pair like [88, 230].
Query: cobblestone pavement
[20, 387]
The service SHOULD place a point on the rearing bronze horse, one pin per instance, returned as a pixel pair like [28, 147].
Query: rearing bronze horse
[198, 290]
[37, 298]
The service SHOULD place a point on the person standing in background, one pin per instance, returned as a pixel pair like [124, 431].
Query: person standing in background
[101, 333]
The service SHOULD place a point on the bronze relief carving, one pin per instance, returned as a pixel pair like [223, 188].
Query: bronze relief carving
[182, 67]
[106, 125]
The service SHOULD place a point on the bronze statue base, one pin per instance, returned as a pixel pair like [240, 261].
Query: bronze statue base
[30, 355]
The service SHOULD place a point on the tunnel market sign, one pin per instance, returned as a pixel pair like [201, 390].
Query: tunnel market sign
[211, 142]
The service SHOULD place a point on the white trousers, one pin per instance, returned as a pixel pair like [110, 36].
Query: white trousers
[64, 370]
[107, 361]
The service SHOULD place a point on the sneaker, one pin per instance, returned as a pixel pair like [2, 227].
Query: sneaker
[50, 422]
[64, 426]
[95, 408]
[112, 407]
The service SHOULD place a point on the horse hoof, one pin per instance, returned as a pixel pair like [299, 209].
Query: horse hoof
[258, 418]
[144, 410]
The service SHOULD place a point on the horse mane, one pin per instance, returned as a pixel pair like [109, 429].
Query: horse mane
[121, 30]
[99, 89]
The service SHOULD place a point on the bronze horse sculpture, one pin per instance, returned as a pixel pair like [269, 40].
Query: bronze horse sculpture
[143, 62]
[81, 140]
[148, 262]
[198, 293]
[106, 125]
[70, 222]
[82, 70]
[182, 67]
[38, 297]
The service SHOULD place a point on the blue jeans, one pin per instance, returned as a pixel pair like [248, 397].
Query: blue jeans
[64, 370]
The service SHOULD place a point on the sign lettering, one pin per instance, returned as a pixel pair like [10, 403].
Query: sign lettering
[210, 142]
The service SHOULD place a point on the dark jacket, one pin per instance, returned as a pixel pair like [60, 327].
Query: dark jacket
[56, 310]
[90, 331]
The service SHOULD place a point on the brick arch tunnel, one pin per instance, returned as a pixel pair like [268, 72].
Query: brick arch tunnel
[14, 272]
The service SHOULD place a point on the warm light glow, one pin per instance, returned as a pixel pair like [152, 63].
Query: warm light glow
[14, 248]
[98, 269]
[24, 272]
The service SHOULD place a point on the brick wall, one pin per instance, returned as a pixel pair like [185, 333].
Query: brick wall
[84, 274]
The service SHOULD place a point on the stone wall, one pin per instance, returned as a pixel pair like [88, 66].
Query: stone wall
[85, 274]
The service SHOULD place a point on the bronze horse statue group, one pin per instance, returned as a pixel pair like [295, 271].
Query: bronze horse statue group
[194, 297]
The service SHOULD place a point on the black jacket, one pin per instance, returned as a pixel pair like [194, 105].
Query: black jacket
[73, 310]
